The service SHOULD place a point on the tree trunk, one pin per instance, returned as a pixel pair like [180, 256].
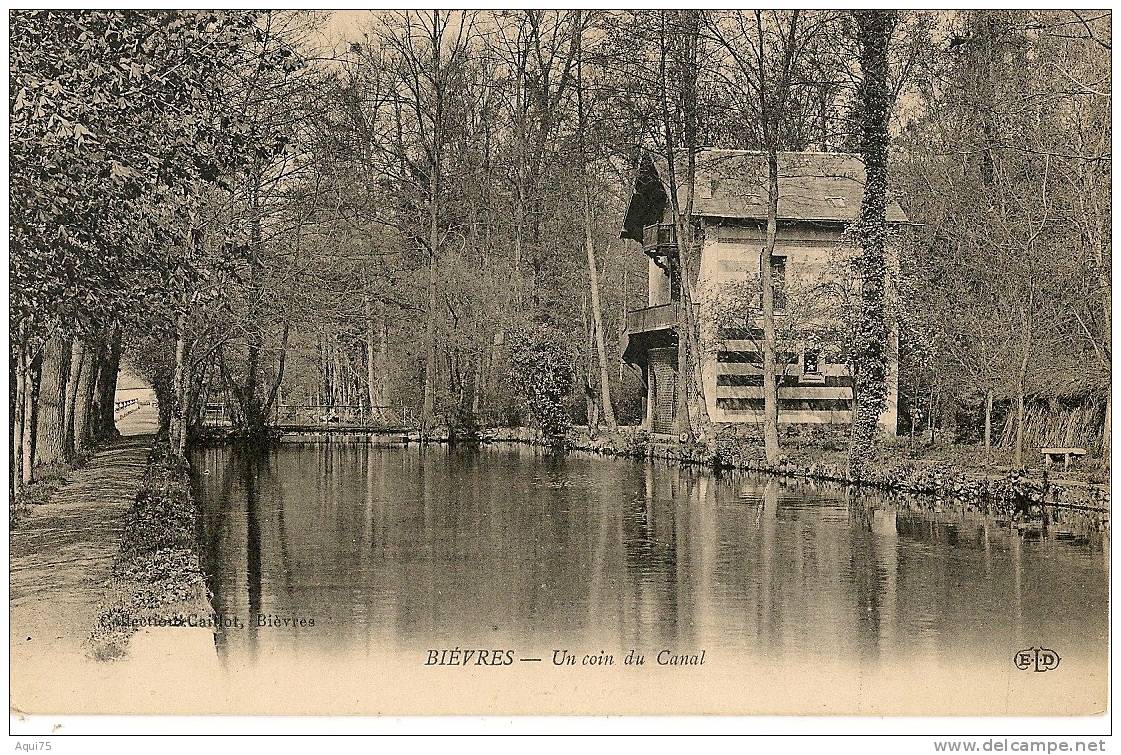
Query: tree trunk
[13, 408]
[51, 444]
[31, 415]
[178, 429]
[274, 389]
[597, 314]
[591, 410]
[988, 421]
[16, 475]
[428, 410]
[381, 364]
[1026, 325]
[589, 246]
[83, 405]
[196, 397]
[250, 393]
[1018, 453]
[165, 412]
[105, 427]
[73, 380]
[480, 386]
[692, 415]
[873, 32]
[1106, 284]
[371, 352]
[770, 383]
[1106, 426]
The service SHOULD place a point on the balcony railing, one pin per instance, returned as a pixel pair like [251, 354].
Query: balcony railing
[647, 319]
[658, 239]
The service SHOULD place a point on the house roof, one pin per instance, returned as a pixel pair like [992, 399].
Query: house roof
[732, 183]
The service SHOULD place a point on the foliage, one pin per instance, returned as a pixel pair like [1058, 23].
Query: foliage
[270, 221]
[542, 372]
[816, 314]
[1001, 160]
[870, 353]
[113, 124]
[158, 560]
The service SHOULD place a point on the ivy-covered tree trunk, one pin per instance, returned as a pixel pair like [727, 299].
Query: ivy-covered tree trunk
[542, 374]
[679, 70]
[871, 347]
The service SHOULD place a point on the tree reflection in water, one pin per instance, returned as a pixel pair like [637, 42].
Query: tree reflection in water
[508, 546]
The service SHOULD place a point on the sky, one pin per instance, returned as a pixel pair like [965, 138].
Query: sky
[344, 25]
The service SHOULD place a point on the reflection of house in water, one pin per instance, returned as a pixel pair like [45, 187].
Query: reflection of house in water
[395, 549]
[819, 196]
[651, 539]
[927, 528]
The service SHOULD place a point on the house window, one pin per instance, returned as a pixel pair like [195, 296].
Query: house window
[810, 359]
[778, 281]
[811, 367]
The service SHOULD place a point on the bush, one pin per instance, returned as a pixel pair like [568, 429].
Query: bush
[542, 374]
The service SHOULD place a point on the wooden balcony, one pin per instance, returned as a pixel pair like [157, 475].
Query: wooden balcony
[649, 327]
[659, 239]
[649, 319]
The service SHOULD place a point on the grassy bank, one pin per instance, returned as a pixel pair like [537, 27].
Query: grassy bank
[963, 473]
[156, 573]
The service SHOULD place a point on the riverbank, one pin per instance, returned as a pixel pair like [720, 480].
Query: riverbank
[156, 579]
[825, 459]
[959, 472]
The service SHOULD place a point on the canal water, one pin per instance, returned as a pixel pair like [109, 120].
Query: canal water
[362, 558]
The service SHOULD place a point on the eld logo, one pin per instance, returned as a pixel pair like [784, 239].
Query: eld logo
[1037, 659]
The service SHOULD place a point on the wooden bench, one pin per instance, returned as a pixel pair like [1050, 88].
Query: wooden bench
[1053, 454]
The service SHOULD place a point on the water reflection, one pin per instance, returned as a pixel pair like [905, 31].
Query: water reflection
[387, 548]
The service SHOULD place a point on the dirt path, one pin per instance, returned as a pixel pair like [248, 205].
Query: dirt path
[60, 557]
[62, 552]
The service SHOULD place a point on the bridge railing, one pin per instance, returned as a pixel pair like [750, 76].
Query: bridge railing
[216, 414]
[356, 415]
[128, 406]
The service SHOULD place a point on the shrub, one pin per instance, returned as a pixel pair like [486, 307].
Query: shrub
[542, 374]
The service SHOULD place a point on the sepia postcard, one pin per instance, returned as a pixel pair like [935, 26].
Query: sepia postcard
[560, 362]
